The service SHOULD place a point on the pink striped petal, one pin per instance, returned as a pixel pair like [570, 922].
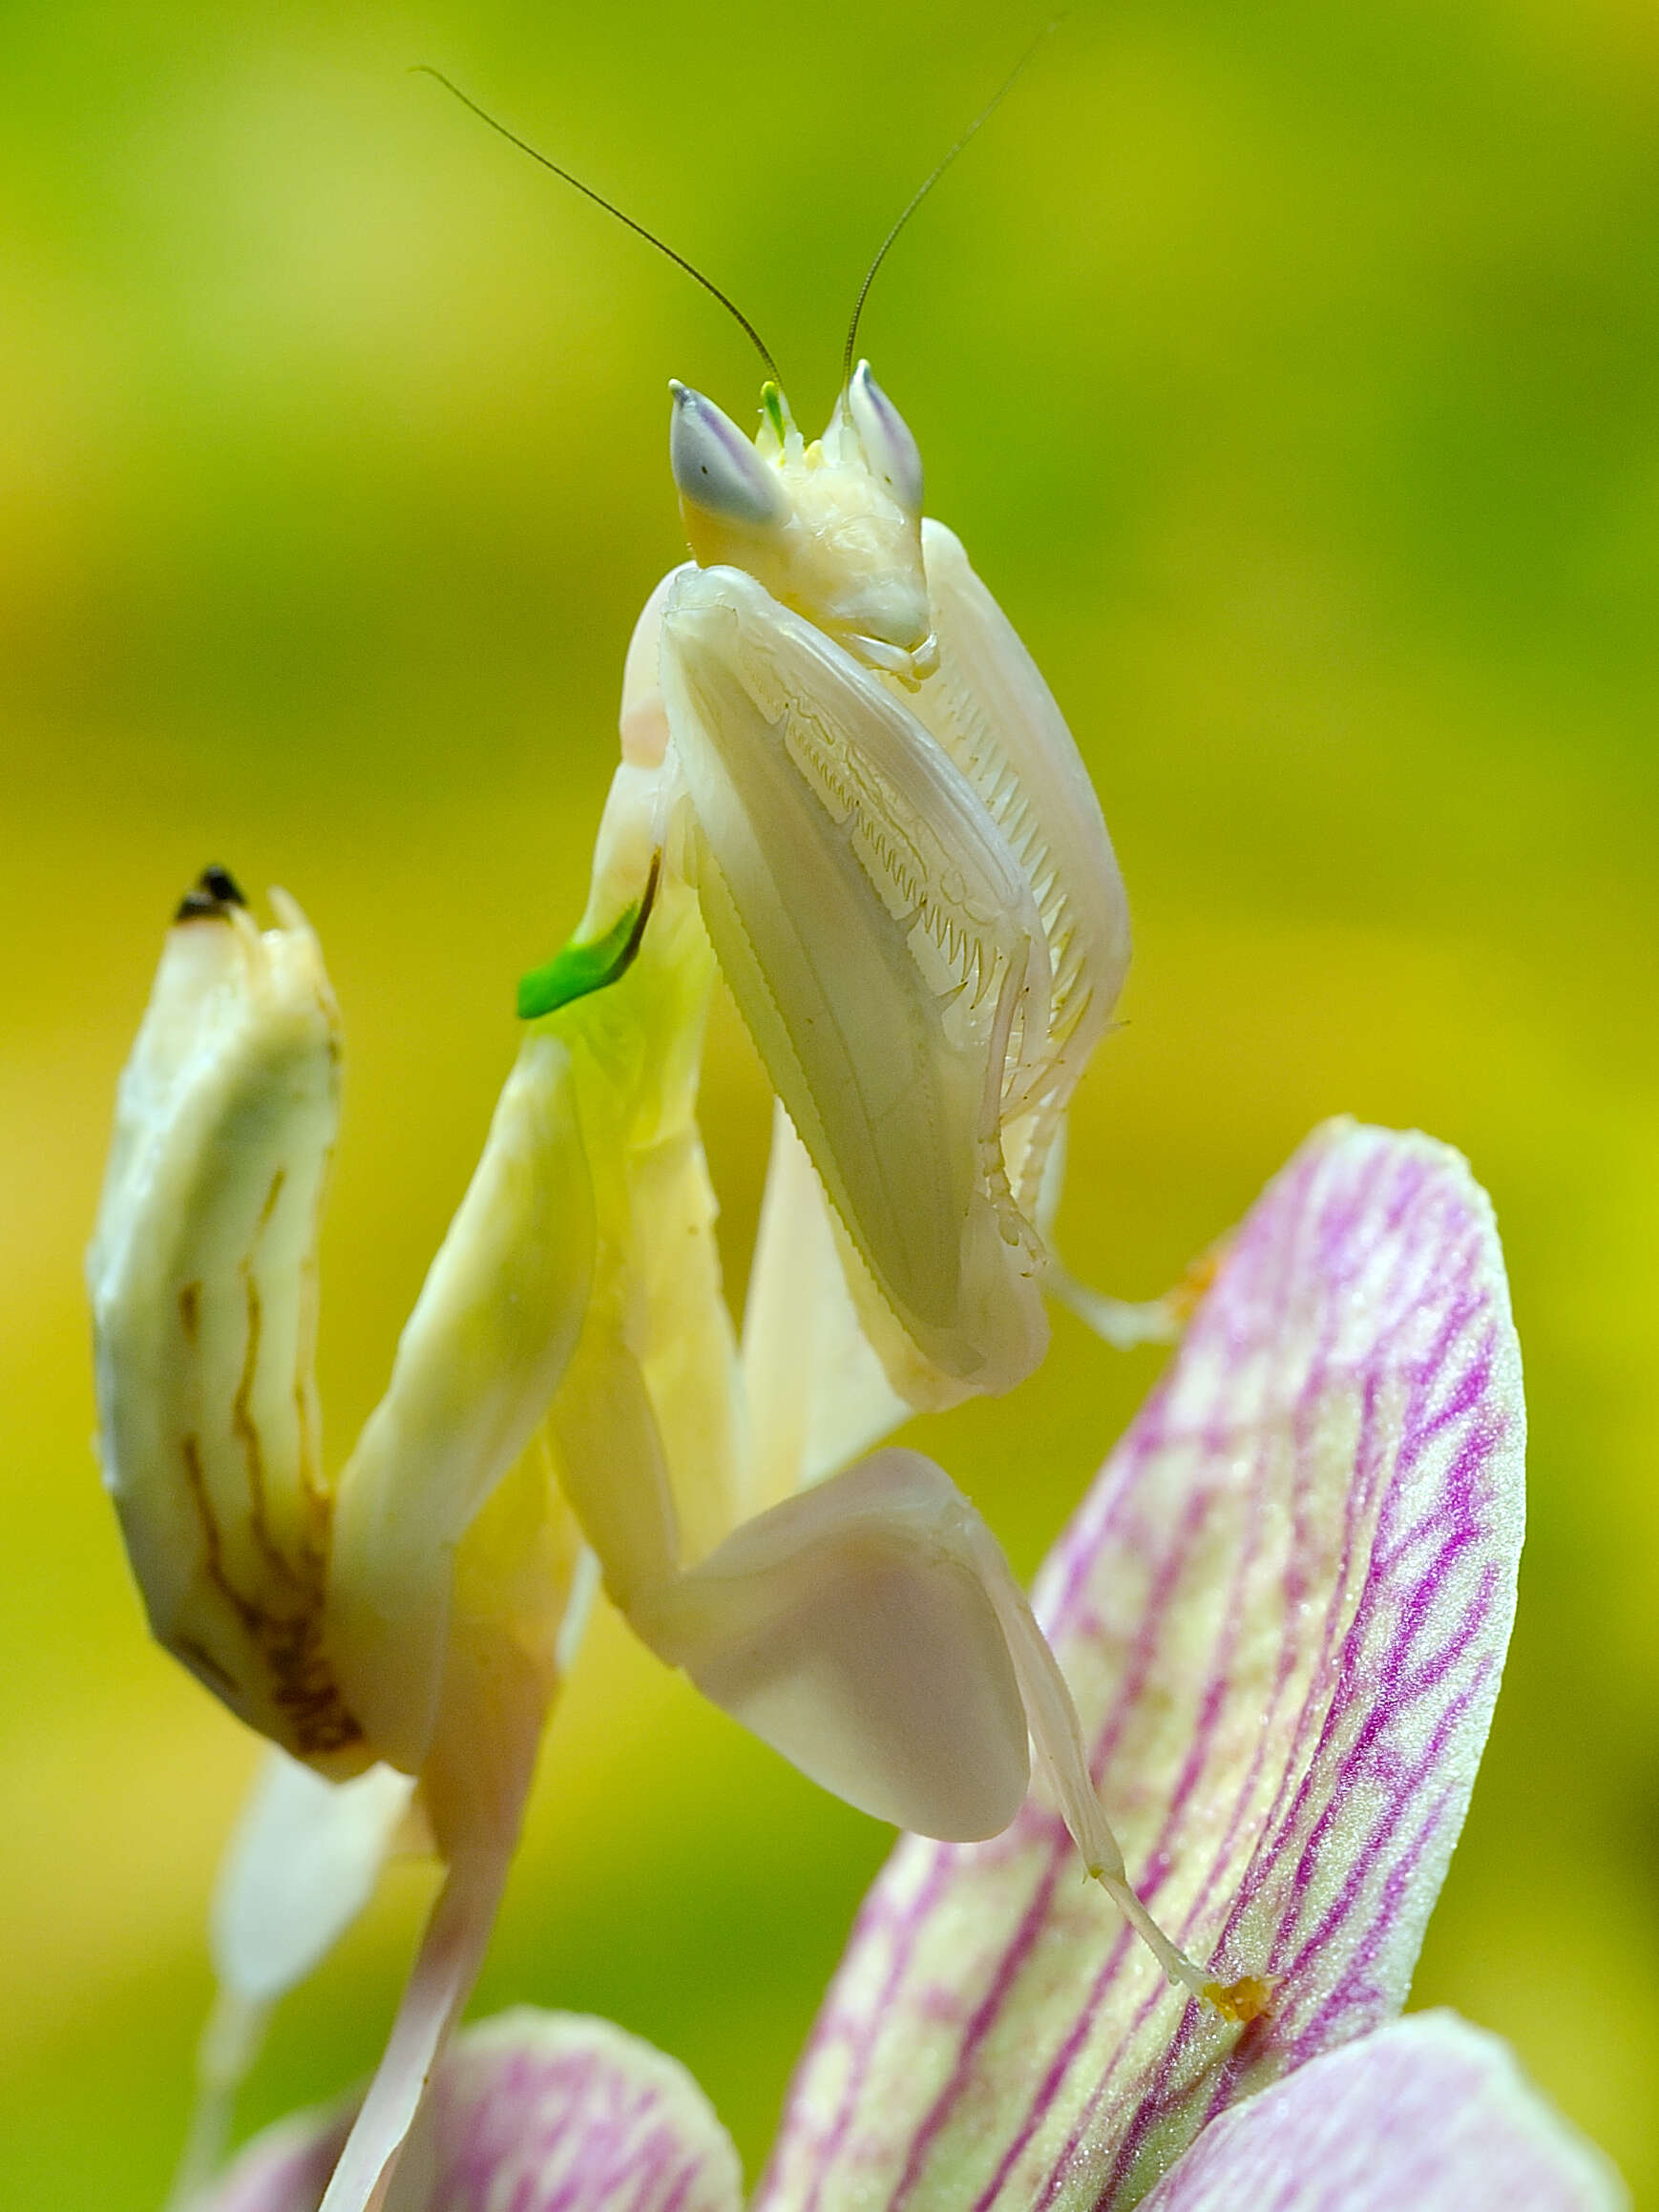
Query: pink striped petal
[1283, 1610]
[285, 2169]
[529, 2112]
[1428, 2112]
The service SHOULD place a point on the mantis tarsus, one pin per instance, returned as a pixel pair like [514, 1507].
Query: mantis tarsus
[844, 779]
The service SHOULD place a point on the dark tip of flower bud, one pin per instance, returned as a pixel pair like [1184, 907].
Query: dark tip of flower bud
[222, 885]
[214, 889]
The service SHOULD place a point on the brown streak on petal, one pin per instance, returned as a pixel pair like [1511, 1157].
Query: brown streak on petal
[317, 1493]
[271, 1196]
[246, 1612]
[304, 1693]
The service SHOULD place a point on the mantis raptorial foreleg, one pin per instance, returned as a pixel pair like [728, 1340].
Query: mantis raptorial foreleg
[867, 1627]
[878, 932]
[842, 1623]
[992, 713]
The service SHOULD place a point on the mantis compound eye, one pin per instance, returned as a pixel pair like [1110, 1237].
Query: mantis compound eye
[715, 469]
[889, 448]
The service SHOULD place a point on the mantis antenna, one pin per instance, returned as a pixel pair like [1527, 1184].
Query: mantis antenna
[931, 178]
[424, 69]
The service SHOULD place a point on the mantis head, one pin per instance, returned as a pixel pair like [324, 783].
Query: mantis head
[831, 530]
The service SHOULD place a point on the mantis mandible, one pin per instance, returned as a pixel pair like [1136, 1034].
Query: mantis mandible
[844, 781]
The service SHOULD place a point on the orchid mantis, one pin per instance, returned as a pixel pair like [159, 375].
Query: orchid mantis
[923, 992]
[844, 781]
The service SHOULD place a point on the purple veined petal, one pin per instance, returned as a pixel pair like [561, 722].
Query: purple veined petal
[529, 2112]
[285, 2169]
[1427, 2112]
[1283, 1610]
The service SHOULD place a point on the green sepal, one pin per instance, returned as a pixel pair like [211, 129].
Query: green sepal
[583, 968]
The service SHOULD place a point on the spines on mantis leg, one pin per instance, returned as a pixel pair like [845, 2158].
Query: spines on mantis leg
[887, 953]
[988, 707]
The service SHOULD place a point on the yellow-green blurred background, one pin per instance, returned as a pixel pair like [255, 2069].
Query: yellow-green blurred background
[1290, 368]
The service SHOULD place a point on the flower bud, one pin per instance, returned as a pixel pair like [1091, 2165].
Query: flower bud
[204, 1280]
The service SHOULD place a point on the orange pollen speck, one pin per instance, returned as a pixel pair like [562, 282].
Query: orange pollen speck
[1244, 2000]
[1183, 1299]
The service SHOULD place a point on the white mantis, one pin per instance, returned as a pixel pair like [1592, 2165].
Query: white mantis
[845, 780]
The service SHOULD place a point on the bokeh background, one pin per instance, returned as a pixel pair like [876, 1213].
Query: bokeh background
[1291, 370]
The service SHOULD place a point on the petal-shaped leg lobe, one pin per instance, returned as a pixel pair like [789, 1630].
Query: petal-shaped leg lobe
[849, 1627]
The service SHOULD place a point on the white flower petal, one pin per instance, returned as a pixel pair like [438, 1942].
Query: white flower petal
[203, 1280]
[301, 1865]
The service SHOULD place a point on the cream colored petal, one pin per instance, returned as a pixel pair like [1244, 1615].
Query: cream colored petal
[306, 1856]
[202, 1275]
[301, 1865]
